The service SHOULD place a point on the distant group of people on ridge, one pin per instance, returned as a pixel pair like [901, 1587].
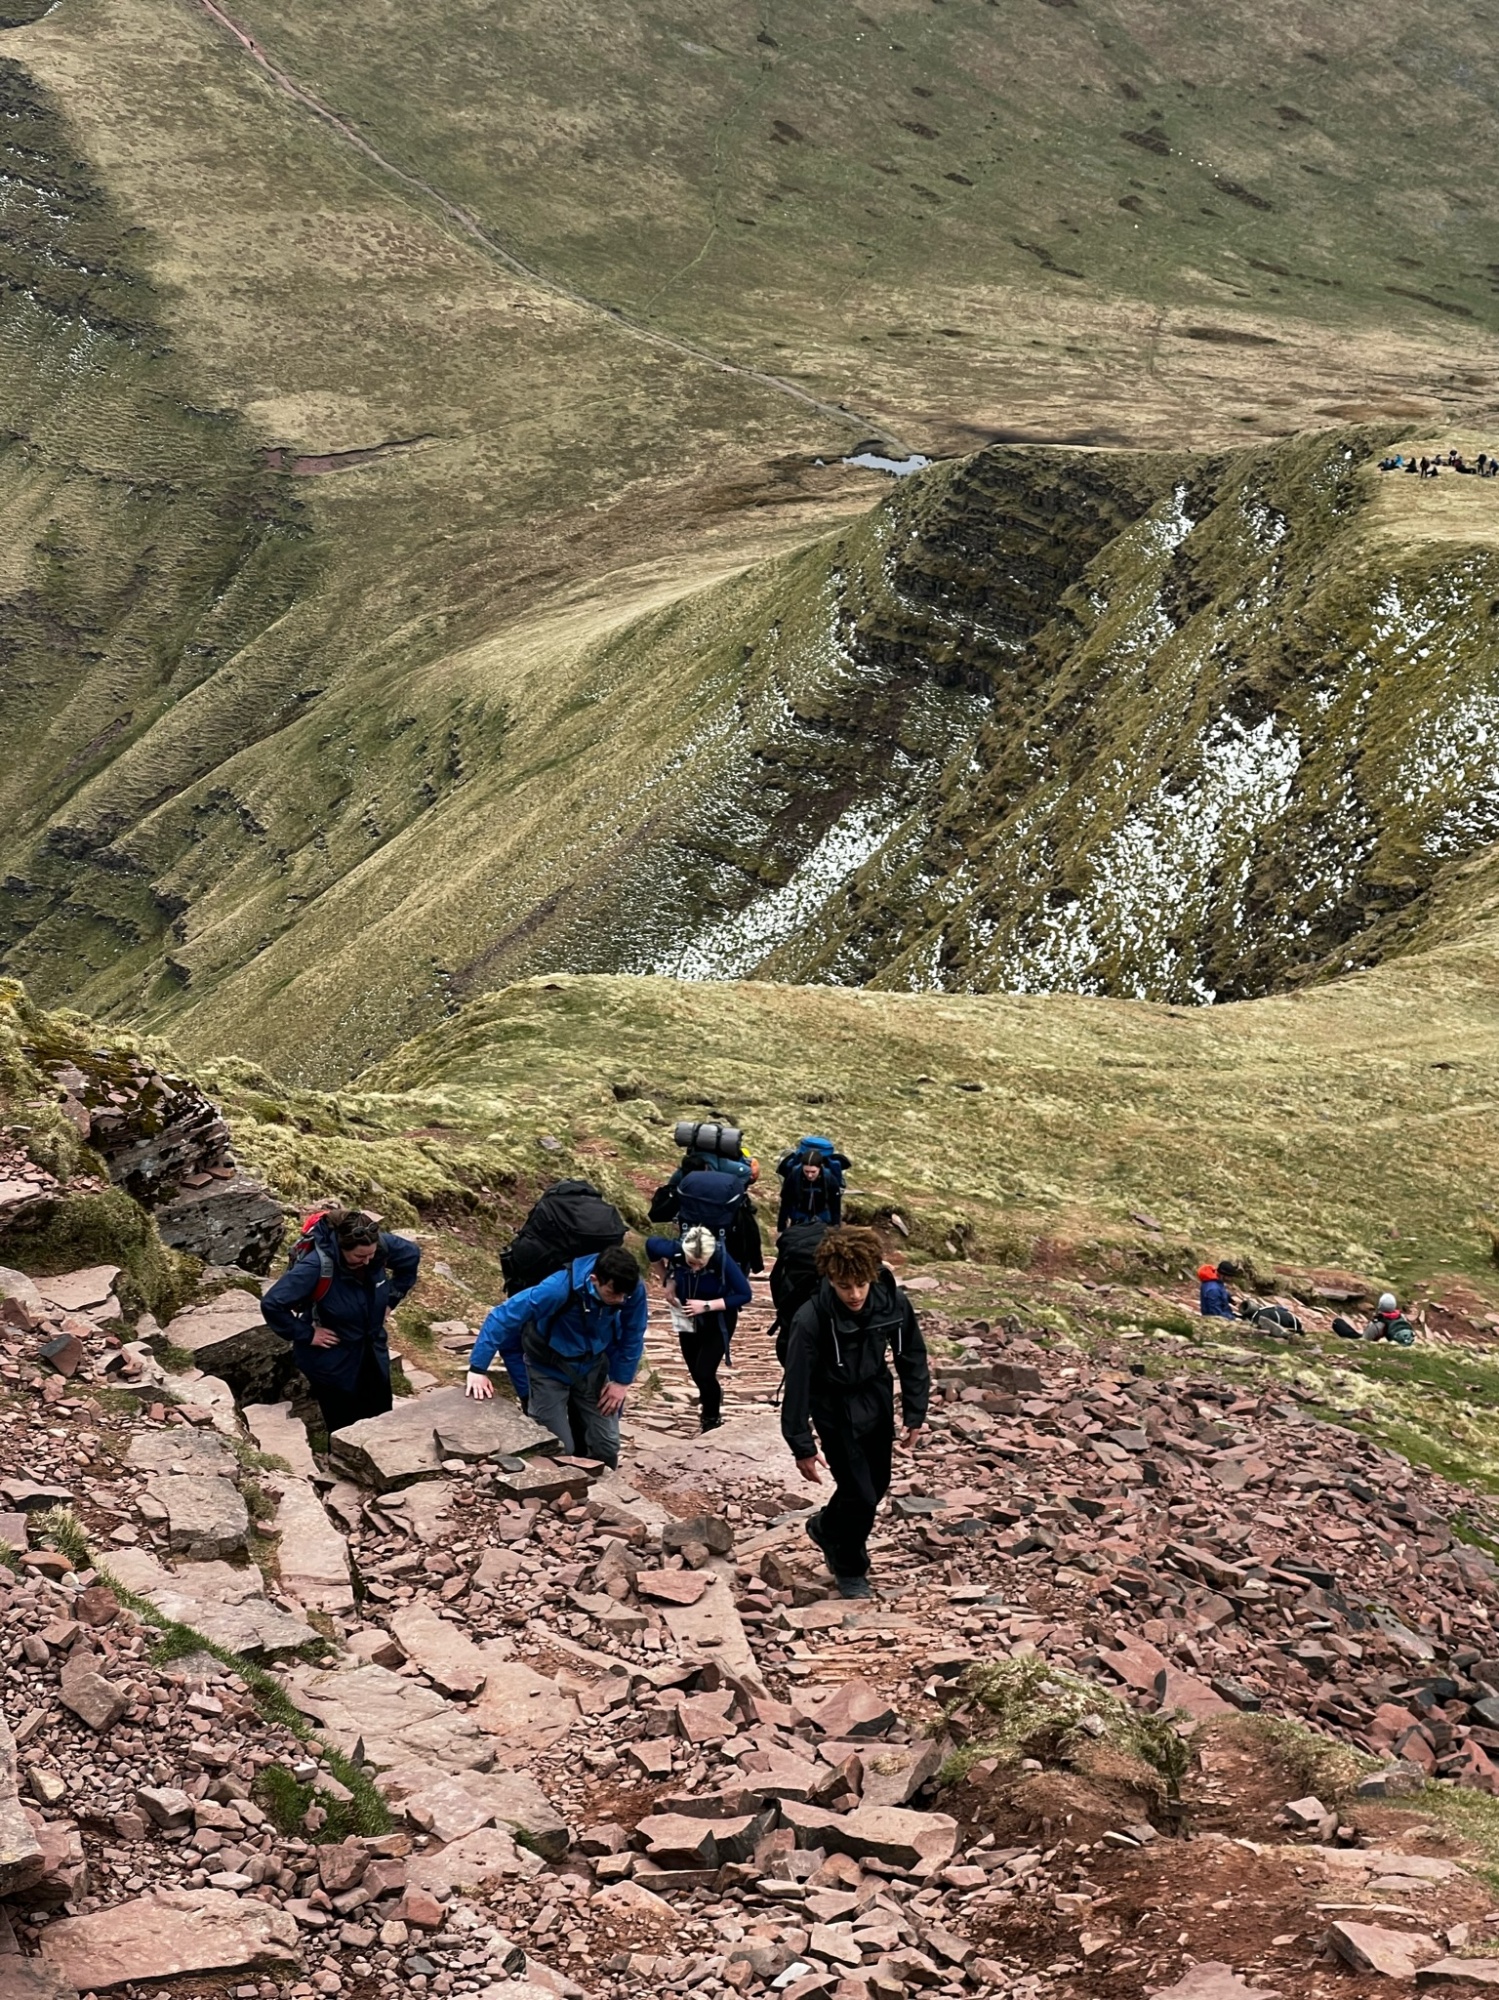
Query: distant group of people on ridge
[1485, 466]
[1215, 1300]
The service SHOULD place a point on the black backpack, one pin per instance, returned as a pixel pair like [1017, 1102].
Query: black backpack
[1270, 1318]
[794, 1278]
[572, 1219]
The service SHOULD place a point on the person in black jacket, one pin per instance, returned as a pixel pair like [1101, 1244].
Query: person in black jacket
[810, 1192]
[337, 1328]
[838, 1383]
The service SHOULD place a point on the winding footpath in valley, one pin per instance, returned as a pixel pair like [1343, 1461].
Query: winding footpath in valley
[476, 230]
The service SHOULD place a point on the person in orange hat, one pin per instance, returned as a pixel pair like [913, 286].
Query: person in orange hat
[1214, 1300]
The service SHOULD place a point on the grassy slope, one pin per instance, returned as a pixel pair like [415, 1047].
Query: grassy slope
[1224, 763]
[900, 201]
[1351, 1124]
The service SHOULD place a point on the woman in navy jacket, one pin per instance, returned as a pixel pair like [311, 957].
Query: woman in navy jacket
[332, 1306]
[705, 1290]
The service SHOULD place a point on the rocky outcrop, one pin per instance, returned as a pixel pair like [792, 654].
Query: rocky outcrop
[228, 1606]
[402, 1446]
[166, 1144]
[228, 1337]
[168, 1932]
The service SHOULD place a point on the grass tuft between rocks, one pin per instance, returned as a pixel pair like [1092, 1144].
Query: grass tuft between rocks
[1029, 1708]
[286, 1799]
[1308, 1763]
[364, 1813]
[60, 1529]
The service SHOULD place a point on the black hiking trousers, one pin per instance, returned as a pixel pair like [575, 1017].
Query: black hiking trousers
[370, 1396]
[860, 1464]
[702, 1350]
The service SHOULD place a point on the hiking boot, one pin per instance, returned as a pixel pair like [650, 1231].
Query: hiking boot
[853, 1586]
[813, 1526]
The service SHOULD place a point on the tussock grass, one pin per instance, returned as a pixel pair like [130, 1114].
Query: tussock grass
[286, 1800]
[1311, 1763]
[1029, 1708]
[1468, 1816]
[60, 1528]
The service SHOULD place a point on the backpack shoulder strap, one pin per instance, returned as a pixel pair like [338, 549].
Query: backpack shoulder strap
[307, 1245]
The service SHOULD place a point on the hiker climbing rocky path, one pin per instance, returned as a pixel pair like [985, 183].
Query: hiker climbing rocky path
[577, 1730]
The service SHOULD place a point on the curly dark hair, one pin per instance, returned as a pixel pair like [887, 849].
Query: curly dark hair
[851, 1256]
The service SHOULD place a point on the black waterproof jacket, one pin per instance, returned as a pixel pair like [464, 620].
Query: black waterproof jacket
[837, 1373]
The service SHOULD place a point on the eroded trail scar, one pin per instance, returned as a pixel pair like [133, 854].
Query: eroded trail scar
[471, 226]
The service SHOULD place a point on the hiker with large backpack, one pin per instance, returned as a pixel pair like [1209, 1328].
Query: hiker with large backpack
[1388, 1323]
[571, 1219]
[705, 1292]
[571, 1347]
[332, 1303]
[711, 1190]
[838, 1386]
[811, 1184]
[794, 1278]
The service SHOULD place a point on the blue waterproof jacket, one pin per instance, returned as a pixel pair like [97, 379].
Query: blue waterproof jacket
[572, 1322]
[720, 1278]
[1213, 1301]
[354, 1307]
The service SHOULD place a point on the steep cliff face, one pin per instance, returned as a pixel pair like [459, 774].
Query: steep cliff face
[1231, 724]
[883, 667]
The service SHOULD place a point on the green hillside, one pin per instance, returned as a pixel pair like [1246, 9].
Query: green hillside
[1351, 1125]
[427, 560]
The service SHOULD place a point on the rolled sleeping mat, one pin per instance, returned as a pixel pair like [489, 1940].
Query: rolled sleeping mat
[727, 1141]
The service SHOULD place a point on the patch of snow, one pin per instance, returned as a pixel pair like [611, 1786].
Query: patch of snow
[1268, 528]
[1157, 879]
[898, 468]
[1169, 526]
[732, 947]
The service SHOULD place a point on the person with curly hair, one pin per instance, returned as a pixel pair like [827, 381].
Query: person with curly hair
[839, 1386]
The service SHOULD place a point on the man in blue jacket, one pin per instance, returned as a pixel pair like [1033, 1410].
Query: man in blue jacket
[346, 1275]
[571, 1347]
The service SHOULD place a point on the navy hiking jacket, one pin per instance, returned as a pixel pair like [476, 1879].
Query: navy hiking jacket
[354, 1307]
[1214, 1300]
[808, 1201]
[720, 1278]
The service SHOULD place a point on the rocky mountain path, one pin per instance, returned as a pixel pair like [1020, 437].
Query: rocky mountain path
[442, 1712]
